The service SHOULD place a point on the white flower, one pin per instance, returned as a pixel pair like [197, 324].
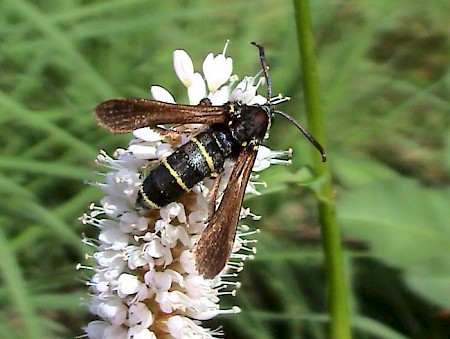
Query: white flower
[197, 89]
[111, 309]
[129, 284]
[181, 327]
[184, 67]
[245, 92]
[103, 329]
[161, 94]
[140, 315]
[145, 283]
[217, 69]
[221, 96]
[267, 157]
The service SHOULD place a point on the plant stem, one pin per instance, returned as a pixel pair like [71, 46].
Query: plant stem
[337, 286]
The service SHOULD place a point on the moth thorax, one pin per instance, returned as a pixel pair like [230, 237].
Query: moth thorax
[252, 124]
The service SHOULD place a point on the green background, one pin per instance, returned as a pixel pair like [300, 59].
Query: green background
[384, 70]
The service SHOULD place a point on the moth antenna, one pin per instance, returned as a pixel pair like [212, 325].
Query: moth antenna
[265, 68]
[305, 133]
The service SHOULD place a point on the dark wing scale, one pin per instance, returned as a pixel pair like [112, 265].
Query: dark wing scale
[128, 114]
[214, 246]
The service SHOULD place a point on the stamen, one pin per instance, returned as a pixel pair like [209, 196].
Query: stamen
[278, 99]
[226, 46]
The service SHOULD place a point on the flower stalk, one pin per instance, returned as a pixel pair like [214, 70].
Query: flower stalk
[338, 299]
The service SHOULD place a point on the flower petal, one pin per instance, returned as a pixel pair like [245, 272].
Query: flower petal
[197, 89]
[221, 96]
[184, 67]
[217, 70]
[161, 94]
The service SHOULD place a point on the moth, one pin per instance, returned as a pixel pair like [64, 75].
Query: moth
[233, 131]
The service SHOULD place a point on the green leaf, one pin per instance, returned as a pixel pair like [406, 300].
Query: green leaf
[431, 279]
[360, 170]
[404, 223]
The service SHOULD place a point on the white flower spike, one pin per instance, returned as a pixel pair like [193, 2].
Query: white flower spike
[145, 282]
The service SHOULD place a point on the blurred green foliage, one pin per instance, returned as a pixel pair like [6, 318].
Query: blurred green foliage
[384, 69]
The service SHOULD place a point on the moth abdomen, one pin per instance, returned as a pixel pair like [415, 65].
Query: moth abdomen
[199, 158]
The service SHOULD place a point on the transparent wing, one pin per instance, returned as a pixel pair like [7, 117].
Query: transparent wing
[128, 114]
[214, 246]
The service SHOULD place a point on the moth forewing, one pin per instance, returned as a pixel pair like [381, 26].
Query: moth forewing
[127, 114]
[215, 244]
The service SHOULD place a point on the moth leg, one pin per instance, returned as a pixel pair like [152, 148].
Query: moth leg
[213, 194]
[173, 136]
[205, 103]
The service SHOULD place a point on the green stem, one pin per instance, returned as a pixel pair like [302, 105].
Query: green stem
[337, 288]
